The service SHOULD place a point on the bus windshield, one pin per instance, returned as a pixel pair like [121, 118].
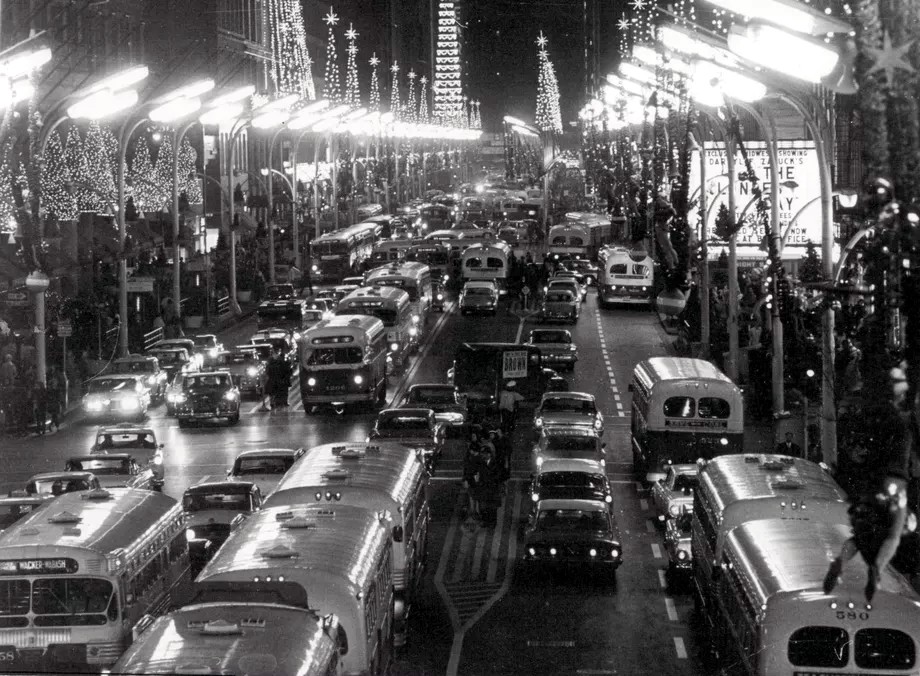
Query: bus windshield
[57, 602]
[386, 315]
[330, 356]
[333, 247]
[431, 257]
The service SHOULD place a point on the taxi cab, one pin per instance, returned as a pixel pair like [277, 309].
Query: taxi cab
[573, 532]
[173, 360]
[556, 347]
[675, 491]
[264, 467]
[577, 409]
[138, 441]
[570, 443]
[246, 369]
[571, 478]
[208, 395]
[115, 470]
[211, 507]
[147, 367]
[559, 305]
[51, 484]
[479, 296]
[117, 396]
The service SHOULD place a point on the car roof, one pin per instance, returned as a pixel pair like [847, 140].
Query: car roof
[565, 503]
[431, 386]
[102, 456]
[475, 283]
[570, 465]
[682, 468]
[124, 428]
[227, 486]
[168, 348]
[63, 474]
[116, 376]
[540, 331]
[405, 413]
[221, 372]
[269, 453]
[580, 396]
[136, 357]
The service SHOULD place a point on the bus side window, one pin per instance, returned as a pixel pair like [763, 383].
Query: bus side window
[409, 522]
[370, 609]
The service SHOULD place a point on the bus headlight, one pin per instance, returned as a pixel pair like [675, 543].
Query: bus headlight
[614, 553]
[538, 422]
[189, 534]
[413, 331]
[415, 319]
[311, 382]
[539, 461]
[394, 347]
[674, 510]
[592, 552]
[359, 379]
[315, 268]
[723, 441]
[535, 497]
[440, 296]
[552, 551]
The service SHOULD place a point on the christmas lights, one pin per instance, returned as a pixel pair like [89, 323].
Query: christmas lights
[395, 106]
[292, 68]
[163, 173]
[56, 197]
[448, 82]
[548, 116]
[142, 176]
[375, 83]
[97, 174]
[332, 86]
[424, 116]
[352, 94]
[411, 101]
[78, 169]
[189, 183]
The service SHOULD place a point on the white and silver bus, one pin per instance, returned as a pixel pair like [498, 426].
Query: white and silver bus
[234, 638]
[378, 477]
[682, 409]
[580, 234]
[415, 279]
[625, 276]
[487, 262]
[392, 307]
[76, 575]
[745, 487]
[333, 559]
[771, 615]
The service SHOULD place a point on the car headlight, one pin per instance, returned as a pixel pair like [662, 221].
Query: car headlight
[130, 403]
[614, 553]
[535, 497]
[177, 398]
[158, 460]
[682, 554]
[212, 352]
[532, 551]
[93, 405]
[394, 347]
[598, 423]
[230, 396]
[415, 319]
[413, 331]
[311, 382]
[252, 372]
[189, 534]
[608, 499]
[440, 296]
[539, 461]
[552, 551]
[538, 422]
[674, 510]
[359, 379]
[592, 552]
[315, 268]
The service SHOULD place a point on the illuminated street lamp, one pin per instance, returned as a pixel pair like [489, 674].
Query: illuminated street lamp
[794, 55]
[789, 13]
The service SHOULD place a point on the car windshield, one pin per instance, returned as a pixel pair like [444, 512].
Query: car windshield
[247, 357]
[686, 482]
[573, 520]
[101, 466]
[134, 366]
[478, 291]
[207, 382]
[559, 297]
[566, 404]
[100, 385]
[198, 501]
[57, 486]
[279, 292]
[312, 315]
[559, 443]
[387, 316]
[262, 465]
[540, 337]
[572, 480]
[434, 395]
[171, 357]
[205, 341]
[396, 425]
[114, 440]
[10, 513]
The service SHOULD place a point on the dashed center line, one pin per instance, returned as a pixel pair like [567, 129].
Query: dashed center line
[643, 503]
[662, 578]
[656, 550]
[672, 610]
[606, 349]
[680, 648]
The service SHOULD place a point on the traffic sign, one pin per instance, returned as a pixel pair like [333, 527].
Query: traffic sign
[64, 329]
[140, 285]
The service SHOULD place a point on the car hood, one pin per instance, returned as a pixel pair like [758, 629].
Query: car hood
[554, 347]
[211, 516]
[477, 300]
[545, 537]
[570, 493]
[567, 418]
[115, 480]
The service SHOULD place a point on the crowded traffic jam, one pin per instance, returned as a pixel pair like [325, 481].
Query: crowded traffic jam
[329, 541]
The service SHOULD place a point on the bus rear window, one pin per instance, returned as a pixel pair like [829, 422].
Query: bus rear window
[713, 407]
[495, 262]
[679, 407]
[819, 647]
[619, 269]
[884, 649]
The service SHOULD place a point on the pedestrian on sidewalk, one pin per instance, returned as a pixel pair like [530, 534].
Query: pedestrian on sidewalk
[525, 296]
[55, 397]
[8, 371]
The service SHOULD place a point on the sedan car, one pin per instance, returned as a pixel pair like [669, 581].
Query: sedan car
[173, 360]
[576, 479]
[556, 347]
[210, 508]
[279, 339]
[675, 491]
[124, 397]
[145, 366]
[208, 395]
[577, 409]
[677, 536]
[574, 276]
[207, 345]
[245, 367]
[115, 470]
[559, 305]
[186, 343]
[565, 283]
[569, 443]
[479, 297]
[414, 427]
[448, 404]
[139, 442]
[52, 484]
[573, 532]
[588, 270]
[280, 292]
[14, 507]
[264, 467]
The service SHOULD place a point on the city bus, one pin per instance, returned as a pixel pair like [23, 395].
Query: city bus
[392, 307]
[581, 234]
[379, 476]
[390, 251]
[342, 361]
[234, 638]
[415, 279]
[682, 409]
[487, 262]
[333, 559]
[76, 575]
[436, 256]
[338, 253]
[772, 615]
[625, 276]
[746, 487]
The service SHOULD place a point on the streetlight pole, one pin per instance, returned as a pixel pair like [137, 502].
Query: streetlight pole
[271, 199]
[178, 137]
[235, 131]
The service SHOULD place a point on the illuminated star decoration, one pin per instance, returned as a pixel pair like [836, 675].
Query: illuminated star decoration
[351, 34]
[374, 60]
[623, 23]
[352, 49]
[637, 4]
[331, 18]
[889, 58]
[395, 68]
[542, 41]
[424, 80]
[412, 75]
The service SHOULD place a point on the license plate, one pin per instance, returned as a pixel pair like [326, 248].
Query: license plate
[7, 654]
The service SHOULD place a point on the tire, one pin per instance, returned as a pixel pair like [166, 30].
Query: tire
[234, 419]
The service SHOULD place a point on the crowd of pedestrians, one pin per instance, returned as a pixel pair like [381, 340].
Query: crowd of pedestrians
[486, 469]
[27, 403]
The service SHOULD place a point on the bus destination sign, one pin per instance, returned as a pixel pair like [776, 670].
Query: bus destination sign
[39, 567]
[718, 424]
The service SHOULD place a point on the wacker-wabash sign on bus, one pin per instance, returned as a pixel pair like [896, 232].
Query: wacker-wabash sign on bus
[799, 184]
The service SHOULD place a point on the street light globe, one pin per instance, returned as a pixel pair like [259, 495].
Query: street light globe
[264, 171]
[37, 282]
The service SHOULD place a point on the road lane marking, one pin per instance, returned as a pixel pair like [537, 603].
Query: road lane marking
[662, 578]
[492, 568]
[656, 550]
[550, 644]
[442, 563]
[671, 609]
[477, 553]
[649, 526]
[680, 648]
[643, 503]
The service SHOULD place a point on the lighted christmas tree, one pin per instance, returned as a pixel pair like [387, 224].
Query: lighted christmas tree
[352, 93]
[7, 205]
[292, 68]
[375, 83]
[162, 185]
[189, 183]
[106, 177]
[332, 84]
[395, 107]
[424, 116]
[411, 101]
[97, 175]
[142, 176]
[477, 118]
[56, 197]
[75, 160]
[548, 116]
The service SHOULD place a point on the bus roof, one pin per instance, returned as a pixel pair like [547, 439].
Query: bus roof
[346, 233]
[326, 542]
[407, 269]
[231, 638]
[344, 325]
[775, 555]
[100, 521]
[484, 247]
[387, 468]
[747, 476]
[660, 369]
[397, 297]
